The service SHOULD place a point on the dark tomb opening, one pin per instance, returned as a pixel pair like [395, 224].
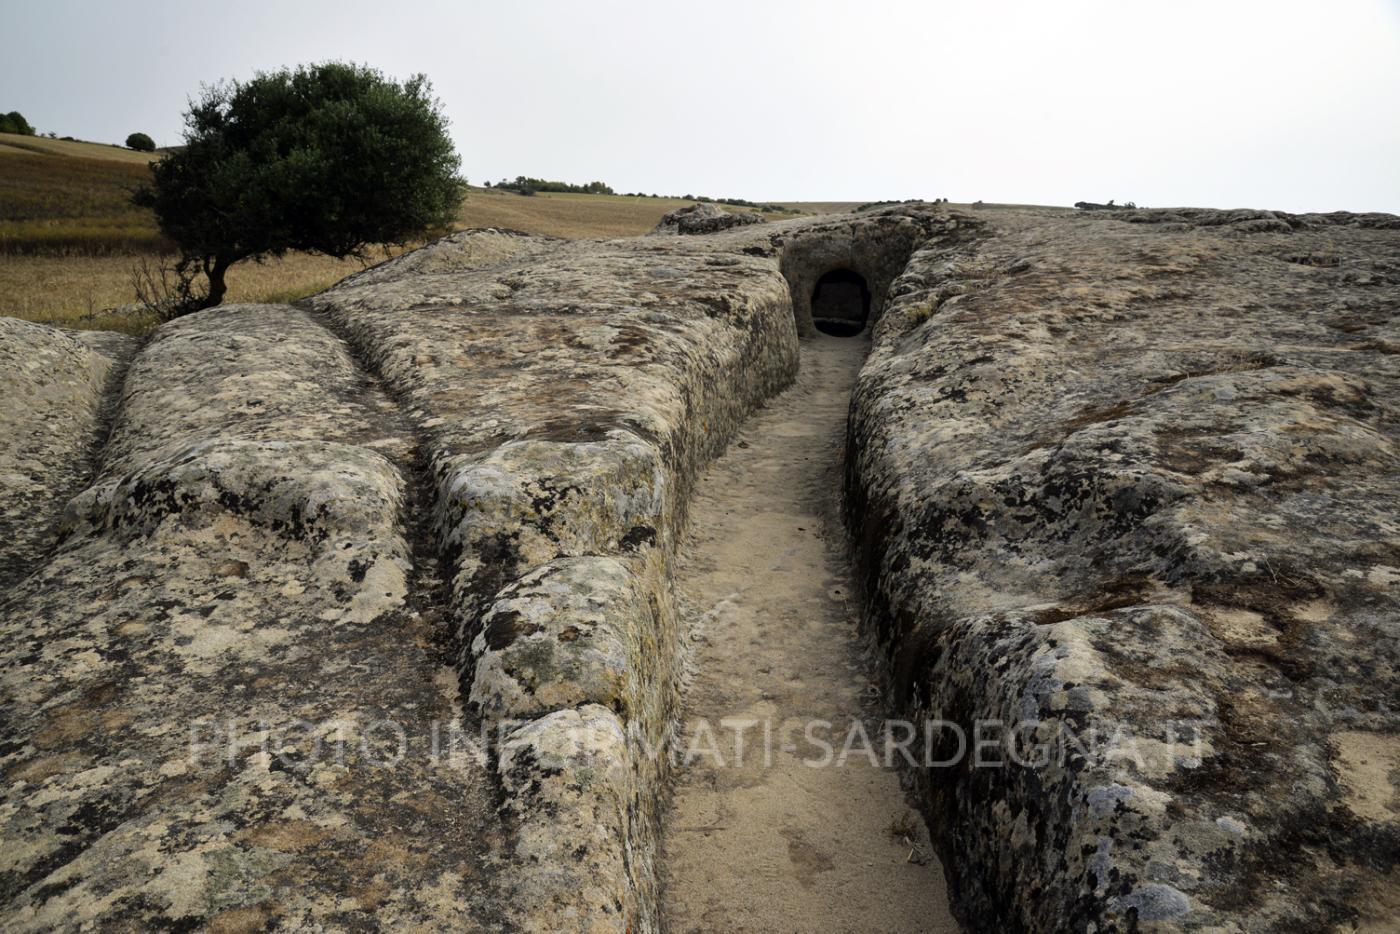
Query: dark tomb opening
[840, 303]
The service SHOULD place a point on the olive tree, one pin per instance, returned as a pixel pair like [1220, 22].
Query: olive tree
[329, 158]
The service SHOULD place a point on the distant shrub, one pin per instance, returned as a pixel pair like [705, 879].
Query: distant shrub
[14, 122]
[140, 142]
[878, 204]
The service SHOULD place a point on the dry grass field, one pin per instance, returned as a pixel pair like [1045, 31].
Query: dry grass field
[42, 145]
[67, 204]
[819, 207]
[69, 237]
[562, 214]
[85, 291]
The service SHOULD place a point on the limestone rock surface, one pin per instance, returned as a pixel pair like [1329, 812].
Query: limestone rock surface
[1133, 479]
[702, 218]
[200, 684]
[251, 570]
[54, 385]
[358, 614]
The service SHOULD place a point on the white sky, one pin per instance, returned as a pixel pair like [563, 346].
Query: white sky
[1275, 104]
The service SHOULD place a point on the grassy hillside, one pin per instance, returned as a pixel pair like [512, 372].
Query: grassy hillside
[820, 207]
[11, 143]
[562, 214]
[69, 236]
[62, 204]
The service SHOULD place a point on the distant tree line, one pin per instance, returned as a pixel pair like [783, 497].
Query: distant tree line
[877, 204]
[525, 185]
[14, 122]
[735, 202]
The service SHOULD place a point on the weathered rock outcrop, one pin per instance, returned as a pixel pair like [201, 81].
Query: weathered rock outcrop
[1135, 486]
[439, 503]
[703, 218]
[567, 402]
[199, 684]
[55, 386]
[1129, 475]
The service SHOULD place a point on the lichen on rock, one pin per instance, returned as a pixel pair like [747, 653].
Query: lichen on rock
[55, 387]
[1128, 476]
[1132, 476]
[703, 218]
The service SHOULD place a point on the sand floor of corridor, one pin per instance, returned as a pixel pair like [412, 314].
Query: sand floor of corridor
[787, 839]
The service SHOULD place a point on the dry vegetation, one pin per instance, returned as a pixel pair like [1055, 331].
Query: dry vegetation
[67, 147]
[63, 204]
[819, 207]
[69, 237]
[86, 291]
[569, 215]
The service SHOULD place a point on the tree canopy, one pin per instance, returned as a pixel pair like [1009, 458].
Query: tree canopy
[328, 158]
[140, 142]
[14, 122]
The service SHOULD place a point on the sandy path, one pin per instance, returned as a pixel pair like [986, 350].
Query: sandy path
[786, 845]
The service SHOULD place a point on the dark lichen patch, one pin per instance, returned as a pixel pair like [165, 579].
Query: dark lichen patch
[638, 537]
[1125, 591]
[1098, 415]
[1319, 259]
[1234, 365]
[566, 429]
[503, 627]
[1276, 593]
[631, 342]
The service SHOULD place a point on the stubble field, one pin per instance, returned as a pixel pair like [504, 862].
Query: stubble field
[70, 239]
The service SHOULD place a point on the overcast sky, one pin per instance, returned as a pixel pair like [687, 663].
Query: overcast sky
[1270, 104]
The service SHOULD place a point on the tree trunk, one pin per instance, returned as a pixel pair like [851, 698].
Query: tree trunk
[215, 271]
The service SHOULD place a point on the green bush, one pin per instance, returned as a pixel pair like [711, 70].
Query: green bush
[328, 158]
[140, 142]
[14, 122]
